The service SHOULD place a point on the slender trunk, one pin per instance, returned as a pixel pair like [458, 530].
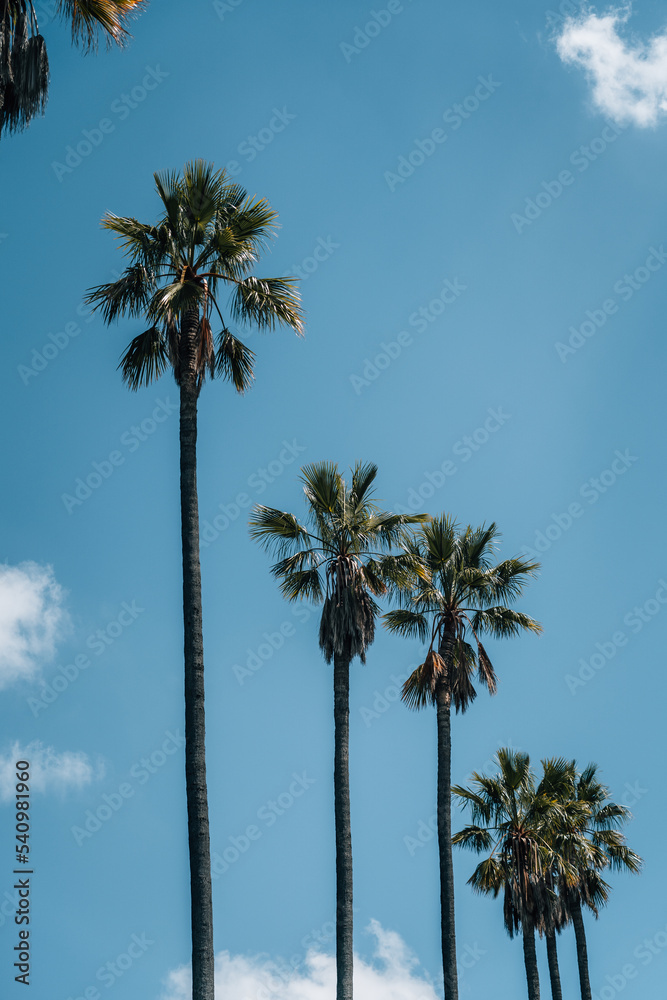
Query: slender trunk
[448, 930]
[530, 960]
[344, 945]
[195, 754]
[582, 951]
[554, 971]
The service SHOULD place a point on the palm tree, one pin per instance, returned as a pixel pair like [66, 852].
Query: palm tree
[590, 843]
[552, 958]
[551, 921]
[510, 815]
[207, 240]
[552, 918]
[456, 590]
[24, 66]
[339, 559]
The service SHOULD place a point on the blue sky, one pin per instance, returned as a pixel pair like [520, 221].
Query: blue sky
[476, 211]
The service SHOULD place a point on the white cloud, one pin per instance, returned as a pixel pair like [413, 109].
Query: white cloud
[49, 771]
[32, 620]
[394, 975]
[629, 80]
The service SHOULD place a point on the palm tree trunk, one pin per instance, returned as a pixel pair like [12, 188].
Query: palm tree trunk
[582, 951]
[530, 960]
[448, 930]
[554, 971]
[344, 941]
[195, 754]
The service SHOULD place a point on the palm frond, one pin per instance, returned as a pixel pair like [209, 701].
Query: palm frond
[474, 838]
[421, 687]
[277, 530]
[253, 222]
[408, 623]
[146, 358]
[485, 669]
[503, 623]
[268, 302]
[95, 19]
[415, 693]
[234, 361]
[303, 584]
[201, 193]
[322, 485]
[363, 479]
[130, 295]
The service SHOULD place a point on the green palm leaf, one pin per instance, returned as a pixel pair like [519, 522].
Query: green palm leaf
[208, 236]
[145, 359]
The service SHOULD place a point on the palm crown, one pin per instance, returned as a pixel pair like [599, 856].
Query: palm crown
[592, 842]
[456, 589]
[513, 817]
[340, 557]
[24, 67]
[207, 241]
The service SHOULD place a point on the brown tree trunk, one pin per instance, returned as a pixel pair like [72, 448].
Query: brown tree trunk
[554, 971]
[582, 950]
[447, 925]
[195, 740]
[344, 939]
[530, 960]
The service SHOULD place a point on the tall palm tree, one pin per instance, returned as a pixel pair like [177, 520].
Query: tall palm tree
[340, 559]
[551, 921]
[552, 916]
[552, 958]
[24, 66]
[206, 242]
[510, 815]
[590, 843]
[457, 590]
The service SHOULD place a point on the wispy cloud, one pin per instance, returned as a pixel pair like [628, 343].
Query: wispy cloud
[32, 620]
[394, 975]
[49, 771]
[629, 79]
